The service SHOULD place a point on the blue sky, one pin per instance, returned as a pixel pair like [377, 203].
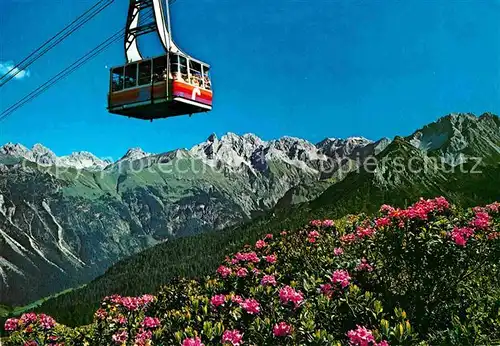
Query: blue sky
[311, 69]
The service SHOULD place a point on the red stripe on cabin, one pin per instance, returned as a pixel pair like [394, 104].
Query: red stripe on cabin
[185, 90]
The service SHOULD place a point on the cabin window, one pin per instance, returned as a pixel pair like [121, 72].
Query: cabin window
[195, 73]
[179, 68]
[145, 72]
[206, 78]
[130, 76]
[117, 79]
[159, 69]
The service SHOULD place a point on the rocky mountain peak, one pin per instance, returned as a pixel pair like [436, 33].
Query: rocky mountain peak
[459, 137]
[12, 149]
[212, 138]
[134, 154]
[337, 147]
[82, 160]
[44, 156]
[232, 149]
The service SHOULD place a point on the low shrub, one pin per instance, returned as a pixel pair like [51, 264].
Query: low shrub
[425, 275]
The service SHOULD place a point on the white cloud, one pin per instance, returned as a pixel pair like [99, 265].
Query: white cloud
[6, 66]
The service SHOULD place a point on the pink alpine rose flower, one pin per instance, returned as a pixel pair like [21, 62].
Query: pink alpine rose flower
[481, 220]
[328, 223]
[313, 234]
[146, 299]
[247, 257]
[386, 209]
[315, 223]
[271, 258]
[326, 289]
[143, 337]
[28, 318]
[120, 319]
[365, 232]
[341, 277]
[192, 342]
[120, 337]
[268, 280]
[348, 238]
[360, 336]
[288, 294]
[382, 222]
[237, 299]
[251, 306]
[441, 203]
[131, 303]
[232, 337]
[364, 266]
[242, 272]
[46, 321]
[461, 235]
[338, 251]
[255, 271]
[101, 314]
[493, 207]
[30, 343]
[260, 244]
[224, 271]
[151, 322]
[282, 329]
[218, 300]
[11, 324]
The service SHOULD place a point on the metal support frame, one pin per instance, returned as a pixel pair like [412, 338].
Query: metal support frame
[160, 24]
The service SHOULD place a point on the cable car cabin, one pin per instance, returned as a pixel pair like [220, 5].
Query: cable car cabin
[160, 87]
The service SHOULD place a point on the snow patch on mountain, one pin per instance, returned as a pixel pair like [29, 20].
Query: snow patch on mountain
[339, 148]
[134, 154]
[44, 156]
[245, 152]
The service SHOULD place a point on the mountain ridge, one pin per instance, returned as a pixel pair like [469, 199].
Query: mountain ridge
[44, 156]
[71, 224]
[101, 217]
[362, 190]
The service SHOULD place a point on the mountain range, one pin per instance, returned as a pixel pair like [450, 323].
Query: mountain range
[64, 220]
[398, 173]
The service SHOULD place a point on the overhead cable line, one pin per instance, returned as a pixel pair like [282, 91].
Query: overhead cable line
[67, 71]
[55, 40]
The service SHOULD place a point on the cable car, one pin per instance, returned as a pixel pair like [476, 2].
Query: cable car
[164, 86]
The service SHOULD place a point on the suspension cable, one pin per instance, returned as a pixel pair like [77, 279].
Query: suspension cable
[67, 71]
[55, 40]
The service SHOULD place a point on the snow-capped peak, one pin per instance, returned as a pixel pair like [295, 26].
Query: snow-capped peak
[82, 160]
[337, 147]
[16, 150]
[231, 150]
[250, 151]
[44, 156]
[134, 154]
